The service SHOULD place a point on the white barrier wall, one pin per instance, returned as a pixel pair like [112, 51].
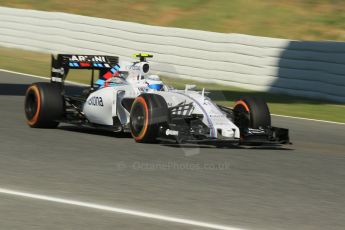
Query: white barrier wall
[311, 69]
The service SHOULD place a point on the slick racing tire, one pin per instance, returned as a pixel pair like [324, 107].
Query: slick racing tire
[44, 105]
[149, 113]
[251, 112]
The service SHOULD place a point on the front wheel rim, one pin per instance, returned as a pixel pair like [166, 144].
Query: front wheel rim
[242, 117]
[32, 105]
[139, 119]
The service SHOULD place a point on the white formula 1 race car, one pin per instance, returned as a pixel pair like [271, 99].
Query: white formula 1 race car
[126, 98]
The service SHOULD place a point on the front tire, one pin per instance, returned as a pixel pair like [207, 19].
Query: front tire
[44, 105]
[251, 112]
[149, 112]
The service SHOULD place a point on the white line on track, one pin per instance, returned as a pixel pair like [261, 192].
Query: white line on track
[76, 83]
[117, 210]
[41, 77]
[308, 119]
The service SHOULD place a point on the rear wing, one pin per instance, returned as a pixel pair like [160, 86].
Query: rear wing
[62, 63]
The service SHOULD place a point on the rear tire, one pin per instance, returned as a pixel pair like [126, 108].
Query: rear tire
[149, 112]
[251, 112]
[44, 105]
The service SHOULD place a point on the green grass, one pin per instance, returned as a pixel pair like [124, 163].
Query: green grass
[294, 19]
[39, 64]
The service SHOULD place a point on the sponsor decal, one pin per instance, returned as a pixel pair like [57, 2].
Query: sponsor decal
[216, 115]
[59, 71]
[56, 79]
[133, 67]
[95, 101]
[170, 132]
[256, 131]
[85, 58]
[142, 89]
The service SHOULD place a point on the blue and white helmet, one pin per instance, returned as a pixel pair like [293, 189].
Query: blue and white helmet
[154, 83]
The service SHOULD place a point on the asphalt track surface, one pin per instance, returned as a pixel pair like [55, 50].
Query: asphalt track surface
[301, 186]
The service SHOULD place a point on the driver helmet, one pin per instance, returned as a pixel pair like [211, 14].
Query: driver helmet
[154, 83]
